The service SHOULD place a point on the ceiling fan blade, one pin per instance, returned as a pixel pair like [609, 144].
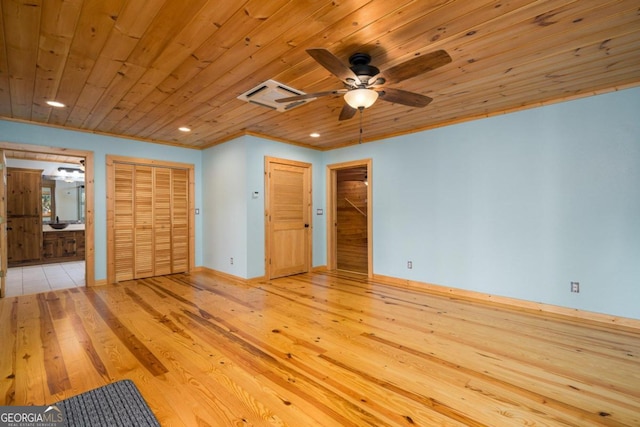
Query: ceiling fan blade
[310, 95]
[414, 67]
[403, 97]
[331, 62]
[347, 112]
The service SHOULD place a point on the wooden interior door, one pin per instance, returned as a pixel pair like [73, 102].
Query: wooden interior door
[350, 216]
[3, 225]
[288, 217]
[351, 220]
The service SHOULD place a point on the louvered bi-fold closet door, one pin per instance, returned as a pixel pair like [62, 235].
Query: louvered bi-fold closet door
[124, 221]
[151, 221]
[162, 224]
[179, 220]
[143, 213]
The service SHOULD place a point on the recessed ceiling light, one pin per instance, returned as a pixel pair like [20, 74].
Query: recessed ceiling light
[56, 104]
[314, 135]
[184, 129]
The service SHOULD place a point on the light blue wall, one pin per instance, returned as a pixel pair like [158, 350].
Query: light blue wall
[224, 178]
[101, 146]
[234, 225]
[517, 205]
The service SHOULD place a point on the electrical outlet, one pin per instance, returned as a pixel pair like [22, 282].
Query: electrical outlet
[575, 287]
[409, 265]
[231, 260]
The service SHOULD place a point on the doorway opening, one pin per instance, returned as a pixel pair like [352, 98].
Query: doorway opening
[349, 217]
[45, 269]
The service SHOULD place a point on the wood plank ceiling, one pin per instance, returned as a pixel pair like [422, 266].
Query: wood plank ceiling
[143, 68]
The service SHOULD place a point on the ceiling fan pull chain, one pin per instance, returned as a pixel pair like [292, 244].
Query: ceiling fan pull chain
[361, 110]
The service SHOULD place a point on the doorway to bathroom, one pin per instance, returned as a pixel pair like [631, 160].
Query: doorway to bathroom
[64, 257]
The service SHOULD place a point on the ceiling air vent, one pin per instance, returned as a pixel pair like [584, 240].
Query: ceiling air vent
[265, 94]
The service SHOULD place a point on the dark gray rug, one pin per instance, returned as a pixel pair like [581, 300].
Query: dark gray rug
[116, 404]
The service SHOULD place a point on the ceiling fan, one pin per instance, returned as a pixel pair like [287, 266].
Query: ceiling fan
[364, 83]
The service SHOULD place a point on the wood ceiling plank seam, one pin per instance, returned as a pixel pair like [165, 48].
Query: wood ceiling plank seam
[495, 70]
[525, 51]
[283, 16]
[532, 39]
[5, 89]
[21, 25]
[510, 108]
[94, 26]
[76, 70]
[126, 78]
[505, 88]
[158, 97]
[93, 93]
[217, 35]
[135, 17]
[194, 36]
[171, 17]
[56, 34]
[516, 68]
[574, 87]
[181, 49]
[203, 133]
[110, 66]
[432, 31]
[208, 106]
[131, 112]
[343, 37]
[505, 24]
[133, 32]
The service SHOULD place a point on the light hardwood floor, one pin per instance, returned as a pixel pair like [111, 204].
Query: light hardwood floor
[318, 349]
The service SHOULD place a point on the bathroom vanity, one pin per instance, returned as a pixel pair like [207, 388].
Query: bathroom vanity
[63, 245]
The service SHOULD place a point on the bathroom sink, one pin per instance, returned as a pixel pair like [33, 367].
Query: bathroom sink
[58, 225]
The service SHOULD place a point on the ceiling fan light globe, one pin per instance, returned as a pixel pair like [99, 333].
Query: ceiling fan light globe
[360, 98]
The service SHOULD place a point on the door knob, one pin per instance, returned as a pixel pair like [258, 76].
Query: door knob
[306, 226]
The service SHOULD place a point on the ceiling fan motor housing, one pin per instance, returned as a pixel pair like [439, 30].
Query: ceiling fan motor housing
[361, 67]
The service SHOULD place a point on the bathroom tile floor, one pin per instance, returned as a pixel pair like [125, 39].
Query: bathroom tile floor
[34, 279]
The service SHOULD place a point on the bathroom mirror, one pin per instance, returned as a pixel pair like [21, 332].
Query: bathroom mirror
[48, 200]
